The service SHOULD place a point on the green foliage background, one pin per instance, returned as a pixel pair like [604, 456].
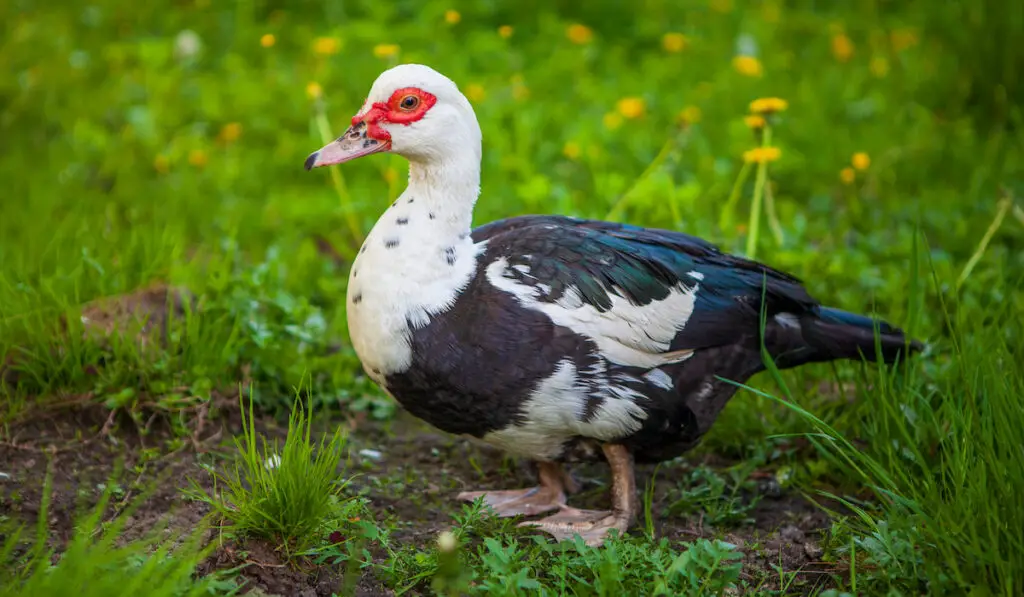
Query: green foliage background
[131, 155]
[164, 141]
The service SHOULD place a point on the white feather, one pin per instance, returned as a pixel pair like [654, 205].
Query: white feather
[627, 334]
[659, 378]
[553, 413]
[788, 320]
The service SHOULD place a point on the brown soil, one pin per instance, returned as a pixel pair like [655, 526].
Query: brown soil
[412, 480]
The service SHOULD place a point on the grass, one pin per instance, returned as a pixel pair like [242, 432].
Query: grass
[482, 556]
[292, 496]
[163, 151]
[93, 563]
[943, 468]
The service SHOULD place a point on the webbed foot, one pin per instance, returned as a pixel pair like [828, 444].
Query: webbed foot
[593, 525]
[548, 496]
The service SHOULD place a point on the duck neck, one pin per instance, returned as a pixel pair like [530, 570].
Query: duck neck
[424, 237]
[443, 192]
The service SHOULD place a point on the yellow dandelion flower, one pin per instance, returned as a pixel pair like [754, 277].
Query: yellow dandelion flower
[612, 120]
[690, 115]
[630, 107]
[861, 160]
[452, 16]
[842, 47]
[879, 66]
[748, 66]
[161, 164]
[754, 121]
[390, 175]
[505, 31]
[268, 40]
[847, 175]
[768, 105]
[903, 38]
[385, 50]
[197, 157]
[762, 155]
[674, 42]
[313, 90]
[230, 132]
[579, 34]
[475, 92]
[326, 46]
[571, 150]
[722, 6]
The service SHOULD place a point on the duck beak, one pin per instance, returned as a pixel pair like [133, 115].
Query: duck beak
[353, 144]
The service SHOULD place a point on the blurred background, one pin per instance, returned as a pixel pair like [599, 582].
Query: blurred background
[159, 145]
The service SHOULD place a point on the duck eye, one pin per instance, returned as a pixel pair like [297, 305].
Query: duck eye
[409, 102]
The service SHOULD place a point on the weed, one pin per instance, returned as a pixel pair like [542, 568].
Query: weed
[709, 567]
[717, 500]
[482, 555]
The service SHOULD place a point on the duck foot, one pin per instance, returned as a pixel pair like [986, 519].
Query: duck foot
[548, 496]
[593, 525]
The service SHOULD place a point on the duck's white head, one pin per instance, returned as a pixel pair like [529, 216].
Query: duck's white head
[411, 110]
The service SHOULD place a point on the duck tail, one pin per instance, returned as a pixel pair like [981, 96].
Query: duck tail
[836, 334]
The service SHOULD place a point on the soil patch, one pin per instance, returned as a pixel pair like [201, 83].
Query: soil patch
[409, 471]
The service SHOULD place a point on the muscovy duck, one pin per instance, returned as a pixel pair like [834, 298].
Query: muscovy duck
[554, 338]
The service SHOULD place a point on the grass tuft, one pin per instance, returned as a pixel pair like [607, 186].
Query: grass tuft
[289, 496]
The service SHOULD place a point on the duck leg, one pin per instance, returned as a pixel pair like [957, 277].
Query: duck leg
[593, 525]
[548, 496]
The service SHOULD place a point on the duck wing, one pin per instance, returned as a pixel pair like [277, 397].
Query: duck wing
[646, 296]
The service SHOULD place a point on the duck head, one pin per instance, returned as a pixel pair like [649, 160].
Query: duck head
[413, 111]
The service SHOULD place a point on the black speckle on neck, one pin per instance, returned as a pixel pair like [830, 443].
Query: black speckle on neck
[355, 272]
[357, 298]
[449, 255]
[463, 236]
[391, 243]
[395, 203]
[432, 216]
[362, 249]
[411, 199]
[402, 221]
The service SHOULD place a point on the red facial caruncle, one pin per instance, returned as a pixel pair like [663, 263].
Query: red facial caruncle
[405, 106]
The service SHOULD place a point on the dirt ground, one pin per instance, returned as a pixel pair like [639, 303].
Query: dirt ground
[408, 471]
